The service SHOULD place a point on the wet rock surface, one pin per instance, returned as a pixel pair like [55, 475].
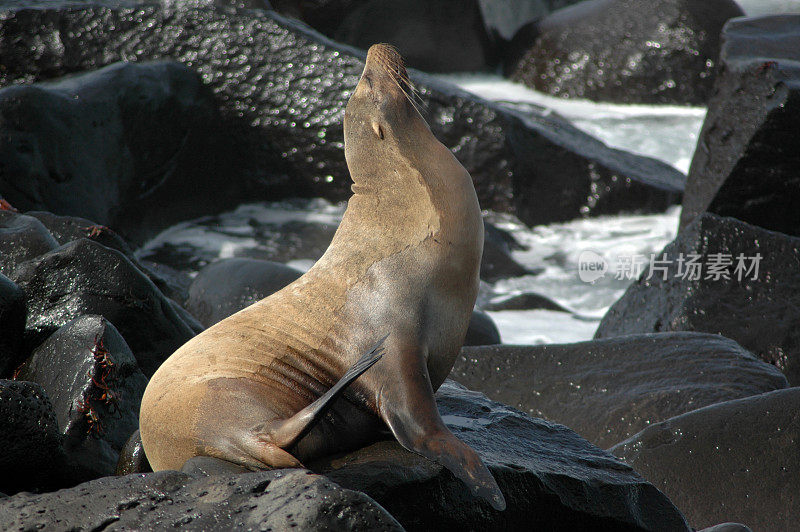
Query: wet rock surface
[628, 51]
[84, 277]
[229, 285]
[431, 35]
[748, 299]
[537, 166]
[21, 238]
[110, 145]
[747, 162]
[95, 386]
[65, 229]
[482, 330]
[269, 500]
[527, 301]
[132, 458]
[31, 456]
[736, 460]
[497, 262]
[12, 326]
[608, 390]
[551, 478]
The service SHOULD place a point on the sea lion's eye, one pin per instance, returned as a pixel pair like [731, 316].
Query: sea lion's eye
[369, 81]
[376, 127]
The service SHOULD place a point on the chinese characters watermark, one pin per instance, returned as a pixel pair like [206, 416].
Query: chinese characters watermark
[686, 266]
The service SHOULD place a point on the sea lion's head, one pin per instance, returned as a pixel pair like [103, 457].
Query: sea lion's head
[382, 122]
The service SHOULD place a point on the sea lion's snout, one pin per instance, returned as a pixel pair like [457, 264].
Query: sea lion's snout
[385, 79]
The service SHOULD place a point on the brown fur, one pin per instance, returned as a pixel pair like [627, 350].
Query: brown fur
[404, 261]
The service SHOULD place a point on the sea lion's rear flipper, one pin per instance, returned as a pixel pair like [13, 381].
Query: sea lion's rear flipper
[409, 409]
[285, 433]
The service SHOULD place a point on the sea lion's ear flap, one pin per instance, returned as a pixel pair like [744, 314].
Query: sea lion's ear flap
[376, 127]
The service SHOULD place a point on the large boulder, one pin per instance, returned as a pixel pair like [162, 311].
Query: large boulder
[431, 35]
[95, 386]
[229, 285]
[734, 461]
[65, 229]
[12, 326]
[22, 238]
[724, 277]
[84, 277]
[110, 145]
[628, 51]
[551, 478]
[747, 162]
[31, 456]
[282, 88]
[268, 500]
[608, 390]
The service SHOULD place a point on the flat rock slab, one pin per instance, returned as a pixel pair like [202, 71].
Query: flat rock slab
[734, 461]
[268, 500]
[608, 390]
[755, 305]
[747, 162]
[552, 478]
[282, 90]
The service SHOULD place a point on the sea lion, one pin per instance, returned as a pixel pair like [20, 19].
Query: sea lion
[268, 386]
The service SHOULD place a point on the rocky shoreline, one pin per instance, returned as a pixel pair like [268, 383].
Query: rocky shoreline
[120, 119]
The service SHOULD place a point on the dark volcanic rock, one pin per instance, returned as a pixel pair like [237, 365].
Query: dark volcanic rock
[629, 51]
[431, 35]
[551, 478]
[504, 17]
[12, 326]
[95, 386]
[736, 460]
[21, 238]
[759, 311]
[229, 285]
[110, 145]
[482, 330]
[608, 390]
[496, 262]
[65, 229]
[323, 15]
[30, 444]
[727, 527]
[268, 500]
[287, 88]
[132, 458]
[747, 162]
[84, 277]
[527, 301]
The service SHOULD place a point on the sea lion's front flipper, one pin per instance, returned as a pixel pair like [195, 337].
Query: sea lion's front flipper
[285, 433]
[409, 409]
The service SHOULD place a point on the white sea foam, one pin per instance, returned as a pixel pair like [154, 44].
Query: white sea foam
[665, 132]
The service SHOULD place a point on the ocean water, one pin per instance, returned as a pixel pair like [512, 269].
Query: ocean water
[665, 132]
[554, 251]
